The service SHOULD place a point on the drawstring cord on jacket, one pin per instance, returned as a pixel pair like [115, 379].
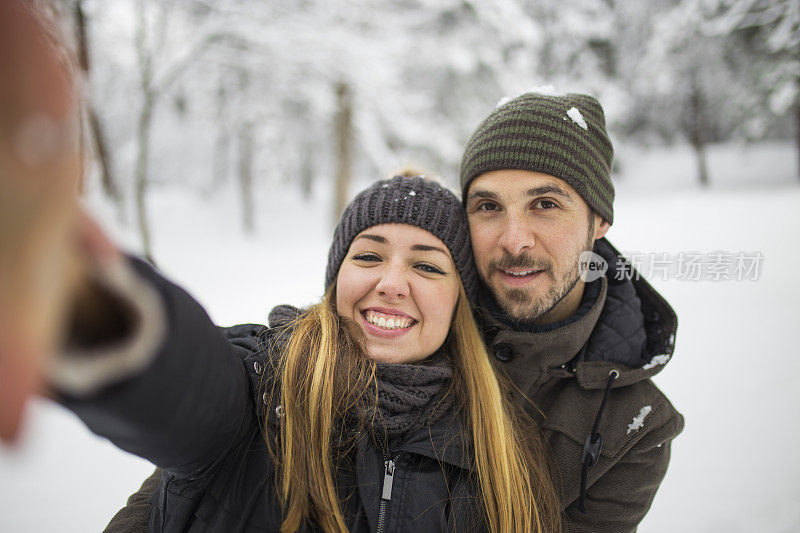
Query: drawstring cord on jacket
[594, 443]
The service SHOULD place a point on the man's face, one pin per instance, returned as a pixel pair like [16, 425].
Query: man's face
[528, 232]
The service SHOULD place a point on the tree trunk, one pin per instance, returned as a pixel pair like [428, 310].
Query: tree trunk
[221, 142]
[797, 125]
[343, 135]
[109, 183]
[699, 140]
[145, 59]
[142, 158]
[307, 170]
[95, 128]
[246, 174]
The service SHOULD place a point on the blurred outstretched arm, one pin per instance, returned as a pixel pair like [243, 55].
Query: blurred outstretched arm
[46, 243]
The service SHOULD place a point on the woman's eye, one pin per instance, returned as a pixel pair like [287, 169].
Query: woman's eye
[366, 257]
[425, 267]
[487, 206]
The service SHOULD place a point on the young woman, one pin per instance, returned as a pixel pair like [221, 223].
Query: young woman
[375, 410]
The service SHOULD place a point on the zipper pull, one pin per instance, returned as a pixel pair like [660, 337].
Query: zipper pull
[388, 478]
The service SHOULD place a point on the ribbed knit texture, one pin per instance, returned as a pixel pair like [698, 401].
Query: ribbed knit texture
[564, 136]
[416, 201]
[412, 396]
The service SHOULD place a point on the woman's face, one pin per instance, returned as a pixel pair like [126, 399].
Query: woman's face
[399, 283]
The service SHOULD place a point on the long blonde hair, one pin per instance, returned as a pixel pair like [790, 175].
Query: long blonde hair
[323, 373]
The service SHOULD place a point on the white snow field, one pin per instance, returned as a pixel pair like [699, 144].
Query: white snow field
[735, 374]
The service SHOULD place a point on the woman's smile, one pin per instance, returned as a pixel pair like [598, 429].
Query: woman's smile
[399, 283]
[386, 323]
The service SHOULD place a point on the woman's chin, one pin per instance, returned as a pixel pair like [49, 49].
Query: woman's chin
[383, 354]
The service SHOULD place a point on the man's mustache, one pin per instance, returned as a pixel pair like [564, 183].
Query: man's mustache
[519, 261]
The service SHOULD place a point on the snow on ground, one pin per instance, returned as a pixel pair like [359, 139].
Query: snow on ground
[735, 375]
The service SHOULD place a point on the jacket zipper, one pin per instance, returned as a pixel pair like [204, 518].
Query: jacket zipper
[389, 466]
[386, 494]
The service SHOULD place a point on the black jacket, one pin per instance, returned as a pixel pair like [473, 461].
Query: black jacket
[198, 412]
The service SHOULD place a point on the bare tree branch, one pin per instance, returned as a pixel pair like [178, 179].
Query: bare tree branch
[177, 68]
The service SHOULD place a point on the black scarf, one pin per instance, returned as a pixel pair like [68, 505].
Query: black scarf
[411, 396]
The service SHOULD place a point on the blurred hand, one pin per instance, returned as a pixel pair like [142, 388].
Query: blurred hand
[40, 226]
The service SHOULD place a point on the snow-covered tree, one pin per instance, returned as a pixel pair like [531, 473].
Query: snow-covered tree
[341, 92]
[766, 38]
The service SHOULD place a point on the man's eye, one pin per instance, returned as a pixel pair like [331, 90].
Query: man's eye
[426, 267]
[487, 206]
[366, 257]
[546, 204]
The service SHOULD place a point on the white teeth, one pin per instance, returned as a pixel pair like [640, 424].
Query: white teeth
[519, 274]
[390, 323]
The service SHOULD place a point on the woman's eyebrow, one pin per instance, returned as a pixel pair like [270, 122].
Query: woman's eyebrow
[416, 247]
[428, 248]
[376, 238]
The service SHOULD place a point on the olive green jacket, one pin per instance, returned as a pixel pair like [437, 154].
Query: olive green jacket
[564, 373]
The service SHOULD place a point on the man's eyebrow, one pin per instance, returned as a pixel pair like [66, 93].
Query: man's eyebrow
[427, 248]
[376, 238]
[481, 193]
[549, 189]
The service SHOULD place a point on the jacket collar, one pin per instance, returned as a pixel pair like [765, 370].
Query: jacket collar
[544, 349]
[447, 441]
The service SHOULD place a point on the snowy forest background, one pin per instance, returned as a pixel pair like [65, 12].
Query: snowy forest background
[225, 136]
[309, 94]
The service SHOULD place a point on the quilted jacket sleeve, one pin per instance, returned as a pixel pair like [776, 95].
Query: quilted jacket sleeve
[188, 405]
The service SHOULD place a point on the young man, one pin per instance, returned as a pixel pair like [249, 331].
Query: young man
[580, 345]
[536, 187]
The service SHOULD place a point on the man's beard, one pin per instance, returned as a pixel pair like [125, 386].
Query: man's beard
[522, 306]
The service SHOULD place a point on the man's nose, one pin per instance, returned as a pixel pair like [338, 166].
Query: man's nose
[393, 284]
[516, 236]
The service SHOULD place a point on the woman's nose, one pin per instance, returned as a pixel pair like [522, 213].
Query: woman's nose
[393, 283]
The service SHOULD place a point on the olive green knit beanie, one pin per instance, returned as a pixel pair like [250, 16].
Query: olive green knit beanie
[564, 136]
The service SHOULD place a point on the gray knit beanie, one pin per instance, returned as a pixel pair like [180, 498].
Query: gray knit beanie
[407, 200]
[564, 136]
